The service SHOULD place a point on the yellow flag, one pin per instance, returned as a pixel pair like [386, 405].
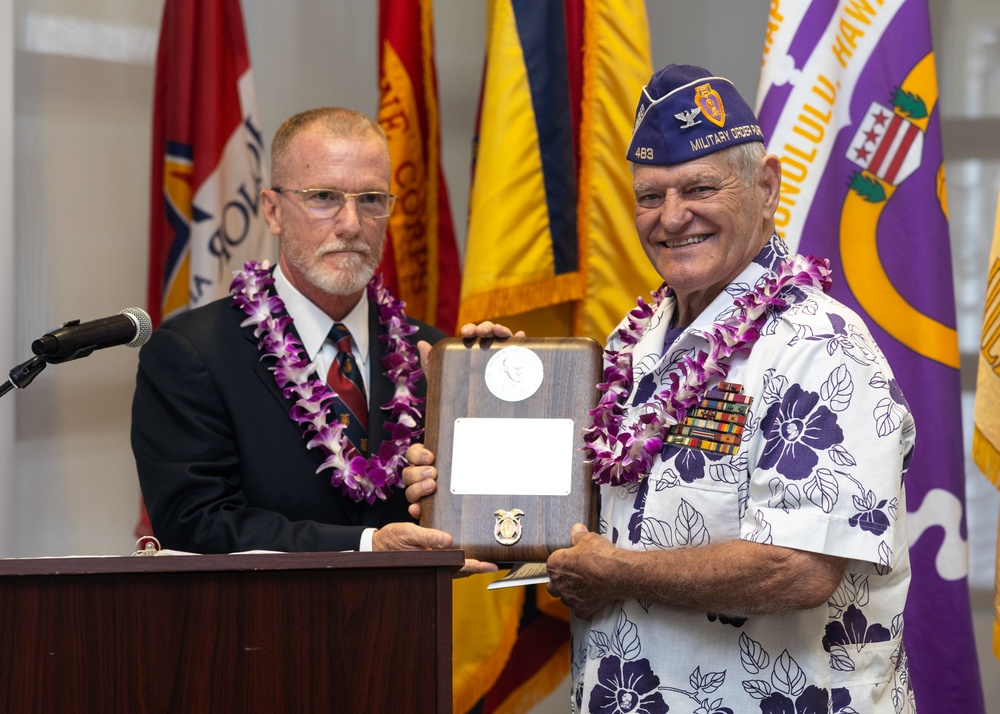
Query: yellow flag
[551, 244]
[986, 437]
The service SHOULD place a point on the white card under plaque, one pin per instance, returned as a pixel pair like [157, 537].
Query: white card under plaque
[529, 457]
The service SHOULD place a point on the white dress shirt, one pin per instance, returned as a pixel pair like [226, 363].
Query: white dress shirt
[313, 326]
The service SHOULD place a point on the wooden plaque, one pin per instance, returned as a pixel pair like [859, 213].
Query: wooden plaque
[505, 420]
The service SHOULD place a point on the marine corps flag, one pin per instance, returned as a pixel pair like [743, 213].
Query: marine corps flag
[848, 100]
[208, 158]
[551, 235]
[421, 259]
[208, 161]
[986, 435]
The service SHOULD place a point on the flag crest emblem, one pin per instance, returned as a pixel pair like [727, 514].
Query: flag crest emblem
[887, 145]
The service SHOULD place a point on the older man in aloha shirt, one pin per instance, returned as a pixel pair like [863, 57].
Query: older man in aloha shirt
[820, 469]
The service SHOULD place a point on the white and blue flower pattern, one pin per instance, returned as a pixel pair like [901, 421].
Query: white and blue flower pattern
[820, 468]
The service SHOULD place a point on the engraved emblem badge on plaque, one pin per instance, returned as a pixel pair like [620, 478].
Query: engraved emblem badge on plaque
[508, 526]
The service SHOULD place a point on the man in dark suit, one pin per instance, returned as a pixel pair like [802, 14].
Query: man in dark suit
[239, 442]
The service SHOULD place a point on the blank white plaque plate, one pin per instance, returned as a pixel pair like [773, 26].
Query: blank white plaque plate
[522, 457]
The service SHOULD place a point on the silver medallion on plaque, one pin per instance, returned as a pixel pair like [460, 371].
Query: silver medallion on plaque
[514, 373]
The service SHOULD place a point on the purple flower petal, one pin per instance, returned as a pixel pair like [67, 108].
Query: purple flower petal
[626, 457]
[361, 479]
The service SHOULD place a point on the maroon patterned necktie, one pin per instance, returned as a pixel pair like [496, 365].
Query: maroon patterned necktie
[345, 379]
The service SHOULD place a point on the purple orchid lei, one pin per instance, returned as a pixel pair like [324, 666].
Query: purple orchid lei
[624, 454]
[359, 478]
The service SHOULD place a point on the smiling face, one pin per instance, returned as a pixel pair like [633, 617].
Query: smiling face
[329, 260]
[701, 225]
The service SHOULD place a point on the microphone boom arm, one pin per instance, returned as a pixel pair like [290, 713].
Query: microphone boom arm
[21, 375]
[73, 340]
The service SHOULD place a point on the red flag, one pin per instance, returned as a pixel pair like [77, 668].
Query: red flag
[208, 157]
[208, 162]
[422, 254]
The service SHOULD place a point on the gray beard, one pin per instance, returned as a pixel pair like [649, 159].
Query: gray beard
[342, 281]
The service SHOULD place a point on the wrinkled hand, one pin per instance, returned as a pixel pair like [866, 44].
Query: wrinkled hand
[583, 576]
[487, 329]
[420, 478]
[410, 536]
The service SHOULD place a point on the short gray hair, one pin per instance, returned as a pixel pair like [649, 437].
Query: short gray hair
[746, 160]
[338, 121]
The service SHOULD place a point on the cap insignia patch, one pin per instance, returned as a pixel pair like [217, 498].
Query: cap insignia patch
[688, 117]
[711, 104]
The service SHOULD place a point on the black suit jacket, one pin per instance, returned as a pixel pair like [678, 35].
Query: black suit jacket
[221, 465]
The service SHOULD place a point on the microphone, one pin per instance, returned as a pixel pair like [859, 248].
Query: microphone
[74, 339]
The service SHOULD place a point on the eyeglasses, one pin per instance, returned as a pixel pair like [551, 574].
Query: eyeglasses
[327, 202]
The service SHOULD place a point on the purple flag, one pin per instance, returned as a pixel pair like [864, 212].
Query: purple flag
[848, 101]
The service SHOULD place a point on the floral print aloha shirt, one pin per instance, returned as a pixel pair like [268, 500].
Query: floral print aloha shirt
[820, 468]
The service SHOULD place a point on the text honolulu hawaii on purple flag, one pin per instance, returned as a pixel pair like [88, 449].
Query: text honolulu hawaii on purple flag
[848, 101]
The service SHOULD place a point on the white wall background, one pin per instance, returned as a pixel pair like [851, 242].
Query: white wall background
[81, 115]
[75, 120]
[7, 268]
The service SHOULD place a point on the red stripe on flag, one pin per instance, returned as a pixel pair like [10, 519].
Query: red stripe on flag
[536, 644]
[426, 265]
[201, 55]
[883, 148]
[909, 136]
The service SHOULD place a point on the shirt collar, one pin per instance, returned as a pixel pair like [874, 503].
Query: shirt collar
[651, 344]
[313, 325]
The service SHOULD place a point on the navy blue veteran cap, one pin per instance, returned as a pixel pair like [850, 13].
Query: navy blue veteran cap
[685, 112]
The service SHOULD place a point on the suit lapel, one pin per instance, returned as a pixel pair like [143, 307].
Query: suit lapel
[261, 367]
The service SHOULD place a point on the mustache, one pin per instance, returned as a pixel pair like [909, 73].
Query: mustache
[358, 246]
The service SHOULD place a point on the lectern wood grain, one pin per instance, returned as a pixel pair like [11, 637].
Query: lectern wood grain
[458, 388]
[304, 632]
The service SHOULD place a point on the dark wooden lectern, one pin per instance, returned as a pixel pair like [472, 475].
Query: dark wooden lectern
[290, 632]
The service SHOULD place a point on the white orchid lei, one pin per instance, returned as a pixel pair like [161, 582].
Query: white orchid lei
[359, 478]
[624, 454]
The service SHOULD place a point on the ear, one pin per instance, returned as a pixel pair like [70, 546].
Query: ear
[272, 210]
[770, 184]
